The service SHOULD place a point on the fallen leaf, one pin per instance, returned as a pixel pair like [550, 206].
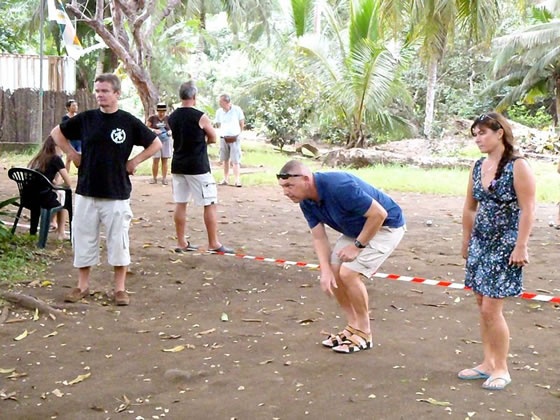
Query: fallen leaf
[170, 337]
[51, 334]
[305, 321]
[16, 375]
[78, 379]
[224, 317]
[10, 370]
[542, 386]
[21, 336]
[534, 416]
[46, 283]
[251, 320]
[36, 315]
[435, 402]
[9, 396]
[125, 404]
[56, 392]
[267, 361]
[555, 393]
[467, 341]
[174, 349]
[471, 413]
[211, 330]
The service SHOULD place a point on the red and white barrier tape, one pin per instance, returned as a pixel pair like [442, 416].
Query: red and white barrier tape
[451, 285]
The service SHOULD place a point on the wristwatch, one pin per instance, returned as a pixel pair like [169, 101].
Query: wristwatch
[358, 244]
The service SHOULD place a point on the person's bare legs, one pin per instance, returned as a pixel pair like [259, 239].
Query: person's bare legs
[155, 168]
[120, 277]
[341, 295]
[497, 335]
[211, 222]
[180, 218]
[164, 168]
[488, 362]
[226, 170]
[495, 339]
[61, 224]
[83, 278]
[358, 298]
[236, 173]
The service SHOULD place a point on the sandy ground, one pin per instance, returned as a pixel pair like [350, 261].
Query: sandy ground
[266, 360]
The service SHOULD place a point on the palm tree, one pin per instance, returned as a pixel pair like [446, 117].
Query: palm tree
[434, 23]
[529, 60]
[356, 68]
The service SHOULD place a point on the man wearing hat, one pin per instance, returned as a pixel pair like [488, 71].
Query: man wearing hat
[159, 124]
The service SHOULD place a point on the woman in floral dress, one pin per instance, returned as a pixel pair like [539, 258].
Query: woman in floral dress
[497, 220]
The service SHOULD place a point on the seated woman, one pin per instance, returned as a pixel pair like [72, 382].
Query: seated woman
[49, 163]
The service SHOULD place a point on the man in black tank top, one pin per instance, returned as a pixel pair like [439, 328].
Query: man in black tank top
[190, 168]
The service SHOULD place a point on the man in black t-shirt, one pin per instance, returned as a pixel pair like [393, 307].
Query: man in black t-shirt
[190, 167]
[103, 191]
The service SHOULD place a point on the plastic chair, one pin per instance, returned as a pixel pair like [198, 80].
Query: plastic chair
[31, 185]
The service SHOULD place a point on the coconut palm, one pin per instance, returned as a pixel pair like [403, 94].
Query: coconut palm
[529, 60]
[434, 23]
[356, 68]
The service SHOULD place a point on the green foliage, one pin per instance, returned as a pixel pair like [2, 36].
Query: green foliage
[20, 260]
[284, 107]
[13, 14]
[4, 231]
[536, 118]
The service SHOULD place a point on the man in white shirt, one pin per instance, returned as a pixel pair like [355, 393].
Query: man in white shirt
[230, 120]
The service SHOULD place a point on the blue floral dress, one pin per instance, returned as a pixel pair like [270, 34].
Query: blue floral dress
[493, 237]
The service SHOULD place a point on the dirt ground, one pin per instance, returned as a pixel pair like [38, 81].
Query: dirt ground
[265, 361]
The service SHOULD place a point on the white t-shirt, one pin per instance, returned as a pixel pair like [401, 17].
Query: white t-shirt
[229, 121]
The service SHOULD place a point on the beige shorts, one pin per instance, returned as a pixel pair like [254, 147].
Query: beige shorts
[375, 252]
[198, 188]
[89, 214]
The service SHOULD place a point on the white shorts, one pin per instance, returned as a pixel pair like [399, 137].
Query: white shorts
[89, 213]
[374, 254]
[198, 188]
[165, 151]
[230, 151]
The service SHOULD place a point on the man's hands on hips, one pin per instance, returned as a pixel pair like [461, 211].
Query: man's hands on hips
[328, 281]
[348, 253]
[131, 166]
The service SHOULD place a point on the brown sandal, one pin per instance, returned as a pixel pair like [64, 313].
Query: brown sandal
[334, 340]
[353, 345]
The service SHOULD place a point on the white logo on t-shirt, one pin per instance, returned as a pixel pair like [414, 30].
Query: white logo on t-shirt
[118, 135]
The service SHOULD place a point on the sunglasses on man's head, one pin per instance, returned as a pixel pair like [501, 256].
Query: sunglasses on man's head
[283, 175]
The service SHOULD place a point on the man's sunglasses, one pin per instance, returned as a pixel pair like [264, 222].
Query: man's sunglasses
[283, 175]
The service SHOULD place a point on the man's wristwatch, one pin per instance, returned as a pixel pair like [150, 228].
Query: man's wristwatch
[358, 244]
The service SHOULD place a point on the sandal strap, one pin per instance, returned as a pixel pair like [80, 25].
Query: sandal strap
[366, 337]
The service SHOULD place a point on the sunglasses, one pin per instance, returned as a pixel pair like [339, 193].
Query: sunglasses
[283, 175]
[486, 117]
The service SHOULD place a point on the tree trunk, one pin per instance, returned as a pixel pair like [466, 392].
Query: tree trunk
[556, 115]
[99, 65]
[430, 96]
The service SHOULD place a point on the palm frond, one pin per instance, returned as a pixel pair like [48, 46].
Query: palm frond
[534, 36]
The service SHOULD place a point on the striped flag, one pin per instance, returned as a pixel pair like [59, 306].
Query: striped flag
[57, 13]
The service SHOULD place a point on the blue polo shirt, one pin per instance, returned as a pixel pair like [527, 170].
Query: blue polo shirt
[343, 201]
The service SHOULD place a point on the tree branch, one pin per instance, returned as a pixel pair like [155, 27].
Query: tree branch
[156, 20]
